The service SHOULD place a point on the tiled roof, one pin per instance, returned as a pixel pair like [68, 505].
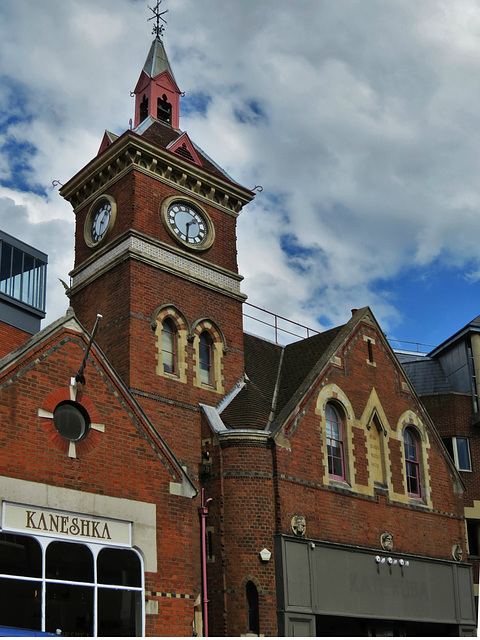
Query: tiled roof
[298, 361]
[427, 376]
[251, 408]
[274, 376]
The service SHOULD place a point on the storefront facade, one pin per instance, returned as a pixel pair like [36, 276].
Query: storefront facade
[75, 572]
[330, 590]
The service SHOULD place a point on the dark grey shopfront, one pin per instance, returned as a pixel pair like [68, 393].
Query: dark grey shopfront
[334, 590]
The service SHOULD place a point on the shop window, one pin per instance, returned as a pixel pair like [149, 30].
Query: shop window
[169, 346]
[459, 451]
[57, 594]
[412, 462]
[69, 561]
[253, 610]
[335, 444]
[205, 358]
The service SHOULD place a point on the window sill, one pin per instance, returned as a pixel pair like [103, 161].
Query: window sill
[417, 502]
[339, 484]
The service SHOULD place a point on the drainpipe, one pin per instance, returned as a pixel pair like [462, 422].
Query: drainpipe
[203, 513]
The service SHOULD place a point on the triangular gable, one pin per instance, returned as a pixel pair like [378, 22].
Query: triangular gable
[183, 147]
[62, 337]
[107, 140]
[163, 79]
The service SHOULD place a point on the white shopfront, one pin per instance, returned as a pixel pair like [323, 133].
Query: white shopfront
[74, 572]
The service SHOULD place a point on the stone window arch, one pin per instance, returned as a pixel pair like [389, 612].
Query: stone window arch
[334, 431]
[209, 348]
[332, 394]
[413, 461]
[171, 332]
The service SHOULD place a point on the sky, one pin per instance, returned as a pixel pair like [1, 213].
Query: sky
[359, 120]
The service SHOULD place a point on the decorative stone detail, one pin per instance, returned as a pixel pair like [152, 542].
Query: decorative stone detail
[163, 258]
[386, 540]
[299, 526]
[457, 552]
[141, 155]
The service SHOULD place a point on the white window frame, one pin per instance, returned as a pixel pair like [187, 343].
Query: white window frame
[454, 440]
[44, 542]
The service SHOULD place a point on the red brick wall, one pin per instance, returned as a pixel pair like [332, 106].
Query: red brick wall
[126, 462]
[10, 338]
[139, 198]
[257, 489]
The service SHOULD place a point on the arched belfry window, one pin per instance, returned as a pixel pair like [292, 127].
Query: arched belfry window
[164, 109]
[205, 357]
[143, 108]
[253, 617]
[412, 462]
[169, 346]
[335, 442]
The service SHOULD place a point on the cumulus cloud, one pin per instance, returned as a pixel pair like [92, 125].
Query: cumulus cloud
[359, 120]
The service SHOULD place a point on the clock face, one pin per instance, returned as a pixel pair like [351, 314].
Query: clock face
[100, 221]
[188, 225]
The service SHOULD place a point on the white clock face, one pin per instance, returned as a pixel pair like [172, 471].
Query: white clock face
[100, 221]
[187, 224]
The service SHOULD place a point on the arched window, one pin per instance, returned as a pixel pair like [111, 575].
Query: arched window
[169, 346]
[253, 612]
[335, 449]
[412, 463]
[143, 108]
[205, 358]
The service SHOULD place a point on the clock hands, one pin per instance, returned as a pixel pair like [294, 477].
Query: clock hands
[188, 225]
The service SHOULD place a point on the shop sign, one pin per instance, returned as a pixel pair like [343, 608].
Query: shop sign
[62, 524]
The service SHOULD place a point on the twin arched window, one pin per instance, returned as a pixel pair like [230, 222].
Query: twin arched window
[335, 445]
[172, 339]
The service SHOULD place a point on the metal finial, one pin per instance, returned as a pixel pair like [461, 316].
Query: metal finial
[158, 29]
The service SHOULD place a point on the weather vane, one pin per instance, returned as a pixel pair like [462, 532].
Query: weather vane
[158, 29]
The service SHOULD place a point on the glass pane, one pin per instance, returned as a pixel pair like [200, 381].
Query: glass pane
[69, 609]
[5, 267]
[119, 613]
[69, 561]
[119, 566]
[20, 555]
[463, 454]
[28, 279]
[449, 446]
[17, 269]
[21, 603]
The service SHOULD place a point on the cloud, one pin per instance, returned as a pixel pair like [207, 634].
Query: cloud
[359, 120]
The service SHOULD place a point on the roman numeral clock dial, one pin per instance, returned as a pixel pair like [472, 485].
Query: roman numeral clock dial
[100, 220]
[188, 224]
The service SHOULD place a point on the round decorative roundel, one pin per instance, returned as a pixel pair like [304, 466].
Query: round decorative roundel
[188, 223]
[100, 220]
[71, 421]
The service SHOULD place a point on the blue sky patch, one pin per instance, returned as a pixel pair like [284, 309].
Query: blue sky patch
[195, 103]
[250, 113]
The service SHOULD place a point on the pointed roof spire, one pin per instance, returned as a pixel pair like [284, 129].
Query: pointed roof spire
[157, 61]
[157, 93]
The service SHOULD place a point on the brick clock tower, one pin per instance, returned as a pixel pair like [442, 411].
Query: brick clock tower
[155, 255]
